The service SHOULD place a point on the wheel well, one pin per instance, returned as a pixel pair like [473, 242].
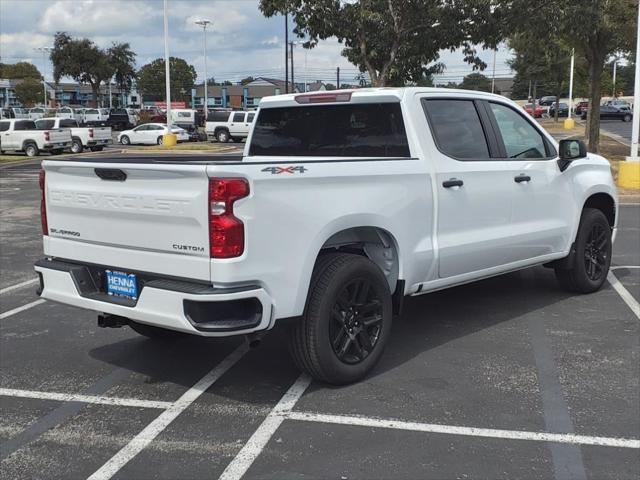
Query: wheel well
[215, 132]
[605, 204]
[29, 142]
[376, 244]
[77, 138]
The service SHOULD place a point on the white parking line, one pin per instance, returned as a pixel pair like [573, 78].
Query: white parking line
[466, 431]
[624, 293]
[618, 267]
[151, 431]
[21, 309]
[251, 450]
[18, 285]
[96, 399]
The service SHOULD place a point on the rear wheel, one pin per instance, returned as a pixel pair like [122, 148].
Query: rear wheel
[57, 151]
[626, 118]
[347, 320]
[31, 149]
[97, 149]
[76, 146]
[155, 332]
[588, 269]
[222, 136]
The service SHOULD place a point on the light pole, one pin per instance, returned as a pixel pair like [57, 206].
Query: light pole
[204, 23]
[493, 76]
[44, 51]
[571, 82]
[166, 67]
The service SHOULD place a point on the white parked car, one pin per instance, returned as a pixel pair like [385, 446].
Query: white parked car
[71, 113]
[150, 133]
[15, 112]
[23, 136]
[224, 125]
[344, 203]
[36, 113]
[93, 138]
[96, 117]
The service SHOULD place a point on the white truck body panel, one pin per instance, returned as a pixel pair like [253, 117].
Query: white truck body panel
[440, 237]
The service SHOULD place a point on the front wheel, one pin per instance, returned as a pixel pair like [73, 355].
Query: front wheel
[124, 140]
[587, 271]
[159, 141]
[347, 320]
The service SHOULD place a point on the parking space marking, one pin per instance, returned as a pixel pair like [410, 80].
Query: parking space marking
[151, 431]
[618, 267]
[74, 397]
[252, 449]
[18, 286]
[624, 294]
[464, 431]
[21, 309]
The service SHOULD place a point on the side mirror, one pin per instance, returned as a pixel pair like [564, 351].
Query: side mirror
[570, 150]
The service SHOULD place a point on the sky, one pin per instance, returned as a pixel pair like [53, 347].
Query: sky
[240, 41]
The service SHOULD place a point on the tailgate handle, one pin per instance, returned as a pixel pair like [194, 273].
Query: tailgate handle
[113, 174]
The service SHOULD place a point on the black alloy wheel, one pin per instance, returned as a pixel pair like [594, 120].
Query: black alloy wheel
[356, 322]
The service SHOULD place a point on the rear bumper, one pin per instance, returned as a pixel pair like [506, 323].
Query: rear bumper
[95, 143]
[55, 146]
[193, 308]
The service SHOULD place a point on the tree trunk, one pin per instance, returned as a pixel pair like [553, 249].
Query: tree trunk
[95, 88]
[557, 109]
[592, 128]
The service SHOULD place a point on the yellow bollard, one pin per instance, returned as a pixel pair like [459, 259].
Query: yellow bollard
[569, 123]
[169, 140]
[629, 174]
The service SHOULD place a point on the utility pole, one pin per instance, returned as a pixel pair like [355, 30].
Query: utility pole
[293, 84]
[110, 99]
[338, 78]
[635, 128]
[166, 66]
[570, 83]
[286, 53]
[529, 95]
[203, 23]
[615, 64]
[493, 77]
[44, 51]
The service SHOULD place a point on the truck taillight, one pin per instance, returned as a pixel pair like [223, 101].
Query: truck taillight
[46, 136]
[91, 133]
[226, 232]
[43, 204]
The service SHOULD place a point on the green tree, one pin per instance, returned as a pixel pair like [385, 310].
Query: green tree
[151, 78]
[19, 70]
[475, 81]
[392, 40]
[29, 92]
[595, 29]
[85, 62]
[244, 81]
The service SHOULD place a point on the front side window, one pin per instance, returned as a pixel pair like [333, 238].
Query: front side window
[25, 125]
[520, 138]
[4, 126]
[350, 130]
[457, 128]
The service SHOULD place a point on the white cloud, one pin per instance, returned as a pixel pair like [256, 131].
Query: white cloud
[271, 41]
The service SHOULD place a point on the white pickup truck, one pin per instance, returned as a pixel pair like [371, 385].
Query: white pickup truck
[343, 204]
[93, 138]
[23, 136]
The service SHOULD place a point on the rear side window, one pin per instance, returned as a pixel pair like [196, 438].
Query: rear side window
[45, 124]
[250, 117]
[68, 123]
[217, 116]
[25, 125]
[4, 126]
[91, 111]
[457, 129]
[352, 130]
[238, 117]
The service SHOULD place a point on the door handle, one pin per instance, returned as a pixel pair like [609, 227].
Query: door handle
[522, 178]
[452, 182]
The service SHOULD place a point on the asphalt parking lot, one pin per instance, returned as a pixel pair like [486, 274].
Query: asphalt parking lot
[505, 378]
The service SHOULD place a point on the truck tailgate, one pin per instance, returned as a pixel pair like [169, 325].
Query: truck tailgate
[101, 133]
[149, 218]
[59, 135]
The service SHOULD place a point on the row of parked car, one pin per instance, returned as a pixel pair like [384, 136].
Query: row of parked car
[53, 135]
[117, 118]
[611, 109]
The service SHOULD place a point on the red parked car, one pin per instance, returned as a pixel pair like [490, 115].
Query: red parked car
[538, 113]
[581, 107]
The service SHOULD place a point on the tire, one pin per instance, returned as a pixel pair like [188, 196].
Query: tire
[626, 118]
[76, 146]
[159, 141]
[588, 269]
[124, 140]
[222, 136]
[155, 333]
[56, 151]
[97, 149]
[328, 342]
[31, 149]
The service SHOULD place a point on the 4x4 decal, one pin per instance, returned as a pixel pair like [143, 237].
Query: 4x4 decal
[290, 169]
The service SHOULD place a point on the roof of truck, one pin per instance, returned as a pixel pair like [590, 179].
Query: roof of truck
[380, 94]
